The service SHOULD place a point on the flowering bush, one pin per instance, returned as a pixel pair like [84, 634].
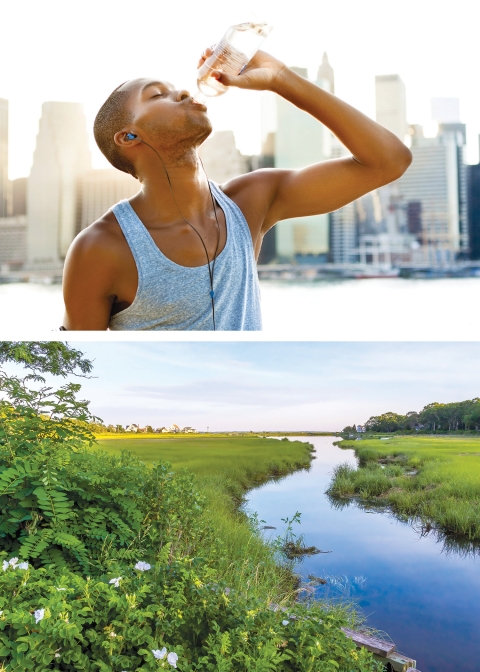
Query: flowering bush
[173, 616]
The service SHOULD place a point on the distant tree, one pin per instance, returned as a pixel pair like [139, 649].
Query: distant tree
[412, 420]
[452, 417]
[432, 415]
[388, 422]
[472, 415]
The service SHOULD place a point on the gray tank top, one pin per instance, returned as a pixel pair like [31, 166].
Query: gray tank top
[174, 297]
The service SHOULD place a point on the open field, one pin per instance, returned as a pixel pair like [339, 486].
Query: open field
[248, 459]
[433, 478]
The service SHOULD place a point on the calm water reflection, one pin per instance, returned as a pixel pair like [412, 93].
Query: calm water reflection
[425, 598]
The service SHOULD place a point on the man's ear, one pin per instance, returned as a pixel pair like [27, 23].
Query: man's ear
[124, 138]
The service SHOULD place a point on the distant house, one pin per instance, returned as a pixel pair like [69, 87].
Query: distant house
[360, 429]
[189, 430]
[132, 428]
[173, 429]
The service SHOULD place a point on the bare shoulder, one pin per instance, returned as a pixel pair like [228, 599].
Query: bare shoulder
[102, 237]
[254, 193]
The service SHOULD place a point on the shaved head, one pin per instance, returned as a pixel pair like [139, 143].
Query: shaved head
[111, 118]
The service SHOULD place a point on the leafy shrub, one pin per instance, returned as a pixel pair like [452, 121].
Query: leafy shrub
[62, 505]
[74, 624]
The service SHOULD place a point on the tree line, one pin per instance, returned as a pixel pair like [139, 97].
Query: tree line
[435, 417]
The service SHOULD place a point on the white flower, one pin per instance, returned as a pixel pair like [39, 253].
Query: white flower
[172, 659]
[285, 622]
[60, 588]
[160, 655]
[39, 614]
[23, 565]
[143, 566]
[13, 562]
[112, 634]
[57, 655]
[5, 565]
[115, 581]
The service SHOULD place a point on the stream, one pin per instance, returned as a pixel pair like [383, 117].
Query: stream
[422, 590]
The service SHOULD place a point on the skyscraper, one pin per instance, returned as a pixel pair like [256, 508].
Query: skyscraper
[221, 157]
[325, 71]
[98, 190]
[434, 190]
[13, 234]
[61, 158]
[391, 108]
[474, 209]
[4, 182]
[473, 181]
[19, 196]
[297, 140]
[343, 230]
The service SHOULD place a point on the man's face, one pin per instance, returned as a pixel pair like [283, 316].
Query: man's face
[170, 117]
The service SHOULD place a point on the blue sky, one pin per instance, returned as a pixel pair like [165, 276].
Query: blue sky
[277, 386]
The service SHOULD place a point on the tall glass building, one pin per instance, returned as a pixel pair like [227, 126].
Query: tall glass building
[5, 199]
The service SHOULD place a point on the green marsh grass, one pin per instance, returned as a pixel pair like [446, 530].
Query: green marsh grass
[433, 478]
[225, 468]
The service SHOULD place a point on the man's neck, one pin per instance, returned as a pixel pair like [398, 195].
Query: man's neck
[157, 205]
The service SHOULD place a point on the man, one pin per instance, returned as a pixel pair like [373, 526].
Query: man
[181, 253]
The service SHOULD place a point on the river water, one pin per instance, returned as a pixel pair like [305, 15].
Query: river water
[377, 309]
[427, 598]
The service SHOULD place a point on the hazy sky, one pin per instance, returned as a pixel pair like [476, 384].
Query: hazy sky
[273, 386]
[80, 51]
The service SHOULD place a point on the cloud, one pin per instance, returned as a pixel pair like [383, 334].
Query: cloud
[232, 392]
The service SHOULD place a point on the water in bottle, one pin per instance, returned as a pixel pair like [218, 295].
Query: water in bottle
[234, 51]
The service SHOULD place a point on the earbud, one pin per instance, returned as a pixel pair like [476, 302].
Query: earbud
[130, 136]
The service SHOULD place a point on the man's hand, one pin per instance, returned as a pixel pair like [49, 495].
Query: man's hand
[261, 73]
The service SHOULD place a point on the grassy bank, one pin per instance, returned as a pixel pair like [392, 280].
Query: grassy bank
[246, 459]
[225, 468]
[129, 563]
[435, 479]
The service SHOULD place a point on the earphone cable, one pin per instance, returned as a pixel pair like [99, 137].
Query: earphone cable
[210, 265]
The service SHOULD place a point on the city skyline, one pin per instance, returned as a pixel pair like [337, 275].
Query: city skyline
[257, 386]
[299, 38]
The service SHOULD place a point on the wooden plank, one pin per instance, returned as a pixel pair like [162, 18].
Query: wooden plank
[397, 662]
[400, 663]
[377, 646]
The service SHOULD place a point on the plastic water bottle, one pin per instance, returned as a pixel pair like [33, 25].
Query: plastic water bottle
[234, 51]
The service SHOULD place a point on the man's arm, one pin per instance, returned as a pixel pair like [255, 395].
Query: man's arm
[378, 156]
[87, 282]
